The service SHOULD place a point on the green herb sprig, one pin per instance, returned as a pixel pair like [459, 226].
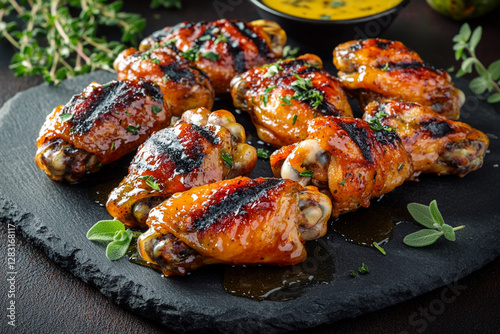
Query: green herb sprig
[488, 80]
[262, 153]
[114, 232]
[361, 270]
[58, 39]
[430, 217]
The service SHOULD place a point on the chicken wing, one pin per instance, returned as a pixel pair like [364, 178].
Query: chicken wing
[222, 48]
[347, 157]
[183, 85]
[201, 148]
[283, 97]
[436, 144]
[237, 221]
[99, 126]
[376, 69]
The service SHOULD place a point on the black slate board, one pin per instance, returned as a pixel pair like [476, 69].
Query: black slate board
[56, 217]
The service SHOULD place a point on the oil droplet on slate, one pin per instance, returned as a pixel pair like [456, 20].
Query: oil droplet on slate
[100, 192]
[282, 283]
[366, 225]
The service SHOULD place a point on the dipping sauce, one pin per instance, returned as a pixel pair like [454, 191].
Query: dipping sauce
[331, 10]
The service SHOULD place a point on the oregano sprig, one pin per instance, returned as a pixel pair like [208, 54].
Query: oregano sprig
[430, 217]
[114, 232]
[466, 42]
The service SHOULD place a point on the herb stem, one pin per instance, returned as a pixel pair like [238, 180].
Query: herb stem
[458, 227]
[16, 6]
[484, 70]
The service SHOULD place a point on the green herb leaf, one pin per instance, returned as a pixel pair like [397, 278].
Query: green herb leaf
[353, 273]
[448, 231]
[494, 98]
[228, 159]
[211, 56]
[133, 129]
[475, 38]
[105, 230]
[436, 215]
[119, 246]
[422, 214]
[294, 119]
[65, 116]
[363, 269]
[422, 238]
[494, 70]
[479, 85]
[307, 173]
[155, 109]
[262, 153]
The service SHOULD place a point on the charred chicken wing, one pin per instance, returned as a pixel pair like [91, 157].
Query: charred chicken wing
[348, 158]
[436, 144]
[98, 126]
[222, 48]
[376, 69]
[283, 97]
[237, 221]
[201, 148]
[183, 85]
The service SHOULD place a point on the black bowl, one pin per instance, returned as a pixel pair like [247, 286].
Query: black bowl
[321, 31]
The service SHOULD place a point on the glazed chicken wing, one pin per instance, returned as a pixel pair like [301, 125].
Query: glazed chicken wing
[376, 69]
[237, 221]
[222, 48]
[283, 97]
[99, 126]
[183, 85]
[347, 157]
[201, 148]
[437, 144]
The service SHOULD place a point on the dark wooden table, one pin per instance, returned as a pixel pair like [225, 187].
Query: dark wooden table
[50, 299]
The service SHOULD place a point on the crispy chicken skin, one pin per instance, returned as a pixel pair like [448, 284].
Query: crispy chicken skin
[376, 69]
[347, 157]
[194, 152]
[222, 48]
[99, 126]
[436, 144]
[183, 85]
[283, 97]
[237, 221]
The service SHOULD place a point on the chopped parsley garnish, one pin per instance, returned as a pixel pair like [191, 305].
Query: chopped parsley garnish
[155, 109]
[305, 91]
[156, 61]
[286, 100]
[228, 159]
[221, 38]
[307, 173]
[150, 181]
[211, 56]
[262, 153]
[273, 69]
[294, 119]
[112, 146]
[386, 67]
[133, 129]
[265, 97]
[65, 116]
[376, 125]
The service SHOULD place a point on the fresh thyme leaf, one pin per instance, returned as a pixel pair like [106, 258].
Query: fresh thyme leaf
[155, 109]
[363, 269]
[262, 153]
[307, 173]
[265, 97]
[294, 119]
[65, 116]
[133, 129]
[228, 160]
[211, 55]
[286, 100]
[466, 42]
[153, 184]
[305, 91]
[377, 246]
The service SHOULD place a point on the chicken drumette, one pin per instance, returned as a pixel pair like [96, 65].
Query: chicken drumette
[436, 144]
[347, 157]
[201, 148]
[376, 69]
[222, 48]
[237, 221]
[283, 97]
[98, 126]
[183, 85]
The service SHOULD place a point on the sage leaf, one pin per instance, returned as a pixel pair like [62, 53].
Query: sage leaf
[436, 215]
[494, 70]
[479, 85]
[421, 214]
[422, 238]
[494, 98]
[116, 250]
[105, 230]
[449, 233]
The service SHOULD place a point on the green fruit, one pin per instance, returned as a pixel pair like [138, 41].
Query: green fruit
[463, 9]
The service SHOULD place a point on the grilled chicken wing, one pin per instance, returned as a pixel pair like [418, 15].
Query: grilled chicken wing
[201, 148]
[183, 85]
[237, 221]
[347, 157]
[99, 126]
[222, 48]
[283, 97]
[376, 69]
[437, 144]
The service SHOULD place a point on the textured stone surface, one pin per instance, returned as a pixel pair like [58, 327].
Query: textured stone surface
[55, 217]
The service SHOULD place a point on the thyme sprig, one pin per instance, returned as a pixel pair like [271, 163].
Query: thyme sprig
[59, 39]
[488, 80]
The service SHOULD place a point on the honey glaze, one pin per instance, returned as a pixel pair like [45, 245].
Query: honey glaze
[282, 283]
[368, 225]
[134, 256]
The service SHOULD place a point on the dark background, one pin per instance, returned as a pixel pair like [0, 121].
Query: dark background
[61, 303]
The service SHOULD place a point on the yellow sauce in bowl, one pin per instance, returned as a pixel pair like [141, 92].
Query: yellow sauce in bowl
[331, 10]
